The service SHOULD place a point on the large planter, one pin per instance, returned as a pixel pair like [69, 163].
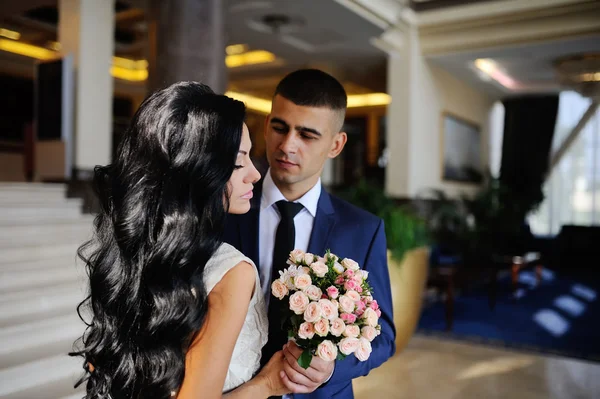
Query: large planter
[408, 279]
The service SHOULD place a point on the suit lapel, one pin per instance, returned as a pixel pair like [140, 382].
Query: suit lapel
[323, 225]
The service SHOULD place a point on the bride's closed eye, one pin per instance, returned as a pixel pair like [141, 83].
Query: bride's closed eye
[238, 167]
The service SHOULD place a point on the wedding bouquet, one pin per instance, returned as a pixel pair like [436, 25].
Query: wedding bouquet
[330, 311]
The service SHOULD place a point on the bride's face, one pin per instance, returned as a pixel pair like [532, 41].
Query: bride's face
[243, 177]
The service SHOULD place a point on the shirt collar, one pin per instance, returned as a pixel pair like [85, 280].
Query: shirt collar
[271, 194]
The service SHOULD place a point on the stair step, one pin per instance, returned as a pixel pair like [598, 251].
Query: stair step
[27, 253]
[24, 204]
[19, 280]
[39, 265]
[79, 395]
[78, 231]
[24, 306]
[27, 342]
[10, 216]
[46, 378]
[18, 186]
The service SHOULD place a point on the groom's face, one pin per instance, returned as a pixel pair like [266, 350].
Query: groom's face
[299, 140]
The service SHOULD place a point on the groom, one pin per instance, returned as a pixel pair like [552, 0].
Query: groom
[291, 210]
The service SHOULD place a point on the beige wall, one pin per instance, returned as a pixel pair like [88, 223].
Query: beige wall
[421, 92]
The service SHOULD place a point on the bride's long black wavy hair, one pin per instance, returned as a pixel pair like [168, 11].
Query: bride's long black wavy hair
[163, 203]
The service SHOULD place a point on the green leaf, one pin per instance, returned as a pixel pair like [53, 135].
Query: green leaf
[305, 359]
[340, 356]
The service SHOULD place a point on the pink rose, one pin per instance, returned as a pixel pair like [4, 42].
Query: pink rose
[346, 304]
[339, 269]
[364, 349]
[327, 351]
[308, 258]
[330, 311]
[348, 318]
[306, 330]
[340, 280]
[319, 268]
[322, 327]
[349, 264]
[313, 312]
[333, 292]
[360, 308]
[371, 317]
[298, 302]
[313, 292]
[368, 332]
[359, 289]
[348, 345]
[352, 331]
[302, 281]
[296, 256]
[378, 312]
[279, 289]
[337, 327]
[350, 285]
[374, 305]
[349, 274]
[355, 296]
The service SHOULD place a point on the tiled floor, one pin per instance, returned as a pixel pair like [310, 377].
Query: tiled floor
[433, 368]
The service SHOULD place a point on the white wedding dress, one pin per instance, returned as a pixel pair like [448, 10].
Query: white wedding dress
[245, 360]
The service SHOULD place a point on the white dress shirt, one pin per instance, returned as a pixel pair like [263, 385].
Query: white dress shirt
[269, 220]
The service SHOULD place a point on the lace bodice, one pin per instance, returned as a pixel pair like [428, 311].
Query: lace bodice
[245, 360]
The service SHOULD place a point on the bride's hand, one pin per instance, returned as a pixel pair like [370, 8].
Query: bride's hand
[271, 373]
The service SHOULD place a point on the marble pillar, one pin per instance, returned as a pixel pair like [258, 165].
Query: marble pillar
[186, 42]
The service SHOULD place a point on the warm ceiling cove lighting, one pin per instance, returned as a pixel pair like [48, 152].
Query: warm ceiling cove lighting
[253, 103]
[11, 34]
[354, 101]
[491, 69]
[27, 50]
[234, 49]
[368, 100]
[249, 58]
[54, 46]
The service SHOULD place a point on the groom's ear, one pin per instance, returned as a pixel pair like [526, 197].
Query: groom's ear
[266, 127]
[338, 144]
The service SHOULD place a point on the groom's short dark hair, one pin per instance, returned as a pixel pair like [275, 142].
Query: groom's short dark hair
[313, 88]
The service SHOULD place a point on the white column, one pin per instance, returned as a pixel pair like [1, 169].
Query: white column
[86, 30]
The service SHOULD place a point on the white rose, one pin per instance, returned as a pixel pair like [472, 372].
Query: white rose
[319, 268]
[302, 281]
[337, 327]
[369, 333]
[313, 292]
[339, 269]
[355, 296]
[348, 345]
[371, 317]
[313, 312]
[306, 331]
[365, 274]
[279, 289]
[296, 256]
[322, 327]
[327, 351]
[352, 331]
[346, 304]
[364, 349]
[309, 258]
[298, 302]
[330, 311]
[350, 264]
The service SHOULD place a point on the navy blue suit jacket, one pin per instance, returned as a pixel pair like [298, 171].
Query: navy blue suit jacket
[349, 232]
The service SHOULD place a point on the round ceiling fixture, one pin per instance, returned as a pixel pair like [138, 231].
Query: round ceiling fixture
[277, 23]
[580, 72]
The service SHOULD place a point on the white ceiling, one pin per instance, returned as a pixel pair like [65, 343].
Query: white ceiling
[530, 65]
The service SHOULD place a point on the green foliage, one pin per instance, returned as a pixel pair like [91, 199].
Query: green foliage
[404, 229]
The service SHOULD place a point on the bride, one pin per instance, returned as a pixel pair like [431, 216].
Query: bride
[174, 311]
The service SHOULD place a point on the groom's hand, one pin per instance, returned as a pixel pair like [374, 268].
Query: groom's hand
[299, 380]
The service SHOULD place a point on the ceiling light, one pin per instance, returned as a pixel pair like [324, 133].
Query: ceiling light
[11, 34]
[368, 100]
[234, 49]
[27, 50]
[491, 68]
[580, 72]
[54, 46]
[249, 58]
[253, 103]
